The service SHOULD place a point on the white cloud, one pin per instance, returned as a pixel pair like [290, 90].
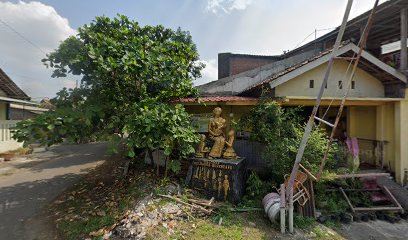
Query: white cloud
[69, 83]
[41, 25]
[227, 6]
[209, 73]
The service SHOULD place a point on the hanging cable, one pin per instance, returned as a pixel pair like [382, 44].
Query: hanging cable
[22, 36]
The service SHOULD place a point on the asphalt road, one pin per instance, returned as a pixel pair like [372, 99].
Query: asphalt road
[32, 183]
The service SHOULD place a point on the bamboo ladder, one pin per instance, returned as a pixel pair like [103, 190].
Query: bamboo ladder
[313, 117]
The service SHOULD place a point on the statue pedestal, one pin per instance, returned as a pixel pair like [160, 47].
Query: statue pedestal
[223, 179]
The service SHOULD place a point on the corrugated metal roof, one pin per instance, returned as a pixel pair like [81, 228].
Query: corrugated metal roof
[290, 69]
[217, 99]
[10, 88]
[14, 100]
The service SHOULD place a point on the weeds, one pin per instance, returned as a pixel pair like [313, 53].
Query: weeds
[223, 215]
[303, 222]
[73, 229]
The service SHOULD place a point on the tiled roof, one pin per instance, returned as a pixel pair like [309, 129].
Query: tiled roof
[10, 88]
[217, 99]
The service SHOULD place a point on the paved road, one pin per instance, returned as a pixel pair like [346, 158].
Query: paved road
[376, 230]
[32, 183]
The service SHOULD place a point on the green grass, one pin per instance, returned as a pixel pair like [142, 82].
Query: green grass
[76, 228]
[224, 214]
[324, 233]
[248, 225]
[303, 222]
[333, 224]
[211, 231]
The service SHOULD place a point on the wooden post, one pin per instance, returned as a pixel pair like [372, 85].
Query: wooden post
[348, 200]
[382, 154]
[291, 213]
[282, 208]
[404, 35]
[312, 199]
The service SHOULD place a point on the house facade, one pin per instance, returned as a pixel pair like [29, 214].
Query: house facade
[15, 105]
[376, 110]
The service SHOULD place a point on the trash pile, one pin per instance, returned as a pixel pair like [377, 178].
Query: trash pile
[149, 214]
[157, 211]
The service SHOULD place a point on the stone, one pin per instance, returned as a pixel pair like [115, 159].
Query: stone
[391, 219]
[365, 217]
[404, 215]
[335, 217]
[357, 217]
[101, 213]
[322, 219]
[372, 216]
[380, 215]
[346, 218]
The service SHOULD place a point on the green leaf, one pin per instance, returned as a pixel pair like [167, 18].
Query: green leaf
[131, 154]
[62, 131]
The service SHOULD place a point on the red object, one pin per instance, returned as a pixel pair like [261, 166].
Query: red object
[379, 198]
[216, 99]
[369, 183]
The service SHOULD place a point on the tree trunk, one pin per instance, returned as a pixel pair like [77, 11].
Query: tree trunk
[165, 165]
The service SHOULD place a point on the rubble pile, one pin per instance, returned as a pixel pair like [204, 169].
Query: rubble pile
[149, 214]
[156, 211]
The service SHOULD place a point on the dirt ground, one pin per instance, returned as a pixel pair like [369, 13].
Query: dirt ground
[107, 205]
[29, 184]
[97, 201]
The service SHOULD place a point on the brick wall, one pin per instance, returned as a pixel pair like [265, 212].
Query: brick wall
[231, 64]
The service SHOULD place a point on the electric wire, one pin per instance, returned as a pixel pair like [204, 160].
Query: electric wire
[22, 36]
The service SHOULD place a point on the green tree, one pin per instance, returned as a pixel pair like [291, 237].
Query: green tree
[124, 67]
[154, 125]
[281, 130]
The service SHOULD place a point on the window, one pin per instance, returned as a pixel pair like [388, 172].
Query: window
[353, 84]
[311, 84]
[325, 86]
[340, 84]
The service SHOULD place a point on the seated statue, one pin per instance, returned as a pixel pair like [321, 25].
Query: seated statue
[229, 151]
[202, 150]
[216, 129]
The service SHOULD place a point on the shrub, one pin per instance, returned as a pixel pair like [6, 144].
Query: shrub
[281, 130]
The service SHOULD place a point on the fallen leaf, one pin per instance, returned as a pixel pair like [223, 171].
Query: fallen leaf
[101, 213]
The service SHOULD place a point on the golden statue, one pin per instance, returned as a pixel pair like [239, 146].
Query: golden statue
[214, 180]
[207, 178]
[230, 152]
[219, 183]
[202, 150]
[200, 172]
[226, 187]
[216, 129]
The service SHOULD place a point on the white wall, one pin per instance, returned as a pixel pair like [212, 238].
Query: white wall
[365, 84]
[6, 142]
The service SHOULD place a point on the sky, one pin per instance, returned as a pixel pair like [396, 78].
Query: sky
[30, 29]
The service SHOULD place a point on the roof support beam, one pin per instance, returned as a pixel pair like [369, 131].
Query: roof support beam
[381, 65]
[404, 35]
[344, 49]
